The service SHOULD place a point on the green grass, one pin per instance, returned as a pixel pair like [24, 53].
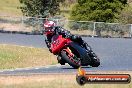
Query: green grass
[10, 7]
[18, 57]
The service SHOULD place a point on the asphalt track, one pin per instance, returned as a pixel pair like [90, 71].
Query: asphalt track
[115, 54]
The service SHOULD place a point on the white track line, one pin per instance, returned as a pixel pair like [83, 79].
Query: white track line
[30, 68]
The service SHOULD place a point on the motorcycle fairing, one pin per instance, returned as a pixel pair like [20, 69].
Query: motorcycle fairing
[58, 42]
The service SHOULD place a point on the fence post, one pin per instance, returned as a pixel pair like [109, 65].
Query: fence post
[130, 30]
[94, 28]
[22, 24]
[57, 22]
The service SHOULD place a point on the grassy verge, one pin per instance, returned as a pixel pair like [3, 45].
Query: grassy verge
[10, 7]
[51, 81]
[18, 57]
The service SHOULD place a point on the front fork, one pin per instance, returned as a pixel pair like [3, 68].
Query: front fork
[71, 56]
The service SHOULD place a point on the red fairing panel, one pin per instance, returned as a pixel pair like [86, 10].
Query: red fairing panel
[58, 44]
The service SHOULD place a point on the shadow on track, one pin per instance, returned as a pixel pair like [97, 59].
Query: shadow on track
[69, 67]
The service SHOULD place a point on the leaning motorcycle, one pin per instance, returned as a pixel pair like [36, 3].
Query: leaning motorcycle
[72, 53]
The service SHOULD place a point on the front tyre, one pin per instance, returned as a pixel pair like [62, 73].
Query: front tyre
[74, 63]
[60, 60]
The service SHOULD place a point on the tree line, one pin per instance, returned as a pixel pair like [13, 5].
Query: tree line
[84, 10]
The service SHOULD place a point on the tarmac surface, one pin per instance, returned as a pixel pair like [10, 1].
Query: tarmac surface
[115, 54]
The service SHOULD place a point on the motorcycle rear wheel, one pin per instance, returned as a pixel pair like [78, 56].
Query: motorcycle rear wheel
[95, 62]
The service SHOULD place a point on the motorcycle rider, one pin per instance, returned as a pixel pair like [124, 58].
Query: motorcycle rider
[51, 29]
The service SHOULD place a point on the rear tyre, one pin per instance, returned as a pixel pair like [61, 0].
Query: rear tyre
[95, 62]
[69, 61]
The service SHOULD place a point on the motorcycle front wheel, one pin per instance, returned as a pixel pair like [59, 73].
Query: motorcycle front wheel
[73, 61]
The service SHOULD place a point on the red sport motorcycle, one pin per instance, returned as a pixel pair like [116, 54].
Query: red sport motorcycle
[72, 53]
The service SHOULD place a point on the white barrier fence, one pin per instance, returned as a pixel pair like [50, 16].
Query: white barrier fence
[30, 24]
